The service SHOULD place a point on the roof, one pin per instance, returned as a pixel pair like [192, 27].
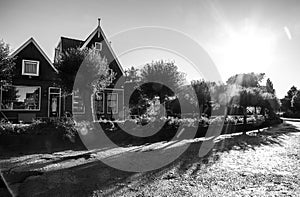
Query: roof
[100, 31]
[31, 40]
[67, 43]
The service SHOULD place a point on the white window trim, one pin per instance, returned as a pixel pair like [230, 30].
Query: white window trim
[30, 74]
[117, 107]
[76, 113]
[103, 106]
[49, 93]
[40, 100]
[100, 46]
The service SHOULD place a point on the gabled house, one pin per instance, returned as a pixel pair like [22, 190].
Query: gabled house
[35, 91]
[110, 101]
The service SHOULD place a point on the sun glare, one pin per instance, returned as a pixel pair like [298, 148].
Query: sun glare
[249, 51]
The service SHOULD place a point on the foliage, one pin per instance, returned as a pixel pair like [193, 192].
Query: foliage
[131, 75]
[94, 70]
[7, 64]
[295, 101]
[291, 92]
[269, 86]
[246, 79]
[161, 79]
[289, 102]
[202, 90]
[62, 127]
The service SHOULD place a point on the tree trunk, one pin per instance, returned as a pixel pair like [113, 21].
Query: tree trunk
[225, 112]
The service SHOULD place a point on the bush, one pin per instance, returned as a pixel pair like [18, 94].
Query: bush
[290, 114]
[63, 127]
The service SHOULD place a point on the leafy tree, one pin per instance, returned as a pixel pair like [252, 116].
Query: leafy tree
[247, 79]
[94, 70]
[86, 71]
[269, 86]
[286, 102]
[202, 90]
[295, 101]
[161, 79]
[291, 92]
[132, 93]
[7, 64]
[131, 75]
[252, 94]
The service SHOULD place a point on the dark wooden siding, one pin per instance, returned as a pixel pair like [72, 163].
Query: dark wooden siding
[105, 52]
[47, 78]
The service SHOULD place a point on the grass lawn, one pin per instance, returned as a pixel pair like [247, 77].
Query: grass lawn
[257, 164]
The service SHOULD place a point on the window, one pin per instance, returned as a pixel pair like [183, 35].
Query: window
[30, 67]
[98, 46]
[99, 102]
[20, 98]
[78, 105]
[112, 103]
[110, 71]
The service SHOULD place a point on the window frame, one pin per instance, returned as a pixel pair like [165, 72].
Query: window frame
[73, 98]
[57, 93]
[100, 46]
[40, 99]
[117, 102]
[37, 67]
[103, 100]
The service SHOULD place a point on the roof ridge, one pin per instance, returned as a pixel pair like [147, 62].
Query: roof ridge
[71, 38]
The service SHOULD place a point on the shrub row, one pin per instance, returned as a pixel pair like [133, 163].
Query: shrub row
[63, 131]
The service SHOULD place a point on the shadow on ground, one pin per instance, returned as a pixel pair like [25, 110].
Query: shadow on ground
[190, 163]
[96, 178]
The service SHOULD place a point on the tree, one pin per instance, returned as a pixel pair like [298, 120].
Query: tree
[84, 71]
[291, 92]
[269, 86]
[295, 102]
[7, 64]
[131, 75]
[246, 79]
[87, 67]
[202, 90]
[161, 79]
[286, 102]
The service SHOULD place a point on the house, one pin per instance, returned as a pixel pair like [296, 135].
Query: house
[35, 92]
[34, 85]
[110, 101]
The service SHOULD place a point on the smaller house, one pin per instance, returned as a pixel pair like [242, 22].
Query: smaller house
[34, 92]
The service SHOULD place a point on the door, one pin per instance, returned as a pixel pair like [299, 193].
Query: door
[54, 102]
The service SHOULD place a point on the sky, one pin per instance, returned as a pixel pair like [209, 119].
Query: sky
[234, 36]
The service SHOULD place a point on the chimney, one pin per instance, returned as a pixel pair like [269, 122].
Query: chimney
[99, 19]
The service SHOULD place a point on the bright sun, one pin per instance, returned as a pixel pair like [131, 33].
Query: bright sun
[250, 50]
